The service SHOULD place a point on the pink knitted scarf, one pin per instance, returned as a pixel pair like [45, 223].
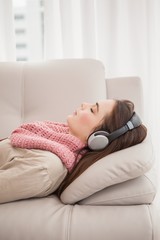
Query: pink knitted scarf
[50, 136]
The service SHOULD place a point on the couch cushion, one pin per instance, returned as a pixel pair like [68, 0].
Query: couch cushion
[115, 168]
[140, 190]
[47, 90]
[127, 88]
[10, 97]
[64, 85]
[47, 218]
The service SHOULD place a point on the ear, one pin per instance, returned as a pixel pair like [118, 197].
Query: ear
[98, 140]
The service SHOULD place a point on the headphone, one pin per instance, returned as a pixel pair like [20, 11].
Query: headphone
[100, 139]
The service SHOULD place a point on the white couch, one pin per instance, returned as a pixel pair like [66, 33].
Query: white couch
[113, 199]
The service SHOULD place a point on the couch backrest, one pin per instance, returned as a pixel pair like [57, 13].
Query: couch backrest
[127, 88]
[47, 91]
[51, 90]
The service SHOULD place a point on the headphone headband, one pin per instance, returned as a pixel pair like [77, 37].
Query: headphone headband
[101, 139]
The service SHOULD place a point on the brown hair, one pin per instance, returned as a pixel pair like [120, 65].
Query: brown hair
[121, 113]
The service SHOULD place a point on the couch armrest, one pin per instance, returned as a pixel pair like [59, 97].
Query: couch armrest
[140, 190]
[113, 169]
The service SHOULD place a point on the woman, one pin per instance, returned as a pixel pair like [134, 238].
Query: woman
[118, 113]
[70, 142]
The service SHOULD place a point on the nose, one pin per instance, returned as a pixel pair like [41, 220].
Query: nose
[84, 105]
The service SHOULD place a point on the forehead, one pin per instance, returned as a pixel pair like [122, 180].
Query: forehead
[107, 103]
[106, 106]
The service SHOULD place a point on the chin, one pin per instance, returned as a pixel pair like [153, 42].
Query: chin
[69, 117]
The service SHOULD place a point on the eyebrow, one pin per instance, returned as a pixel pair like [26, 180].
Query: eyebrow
[97, 105]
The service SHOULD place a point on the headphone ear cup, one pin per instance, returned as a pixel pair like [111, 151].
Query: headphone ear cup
[97, 142]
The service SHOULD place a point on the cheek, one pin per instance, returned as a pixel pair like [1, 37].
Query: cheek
[85, 118]
[88, 122]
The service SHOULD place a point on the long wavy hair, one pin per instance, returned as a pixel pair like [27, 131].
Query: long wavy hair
[120, 115]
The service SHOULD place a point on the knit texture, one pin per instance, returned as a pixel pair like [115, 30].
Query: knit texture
[50, 136]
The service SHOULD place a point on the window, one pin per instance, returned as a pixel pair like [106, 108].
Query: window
[20, 31]
[28, 22]
[21, 45]
[18, 17]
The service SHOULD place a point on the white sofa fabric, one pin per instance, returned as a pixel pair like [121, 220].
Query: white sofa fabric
[111, 170]
[113, 199]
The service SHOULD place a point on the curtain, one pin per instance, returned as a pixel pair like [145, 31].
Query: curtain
[7, 40]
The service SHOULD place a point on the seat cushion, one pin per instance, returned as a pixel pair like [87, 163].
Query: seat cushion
[47, 218]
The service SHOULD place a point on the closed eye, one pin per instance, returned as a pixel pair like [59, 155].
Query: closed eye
[97, 105]
[91, 110]
[96, 108]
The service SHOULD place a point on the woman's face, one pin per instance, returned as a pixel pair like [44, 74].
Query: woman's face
[87, 117]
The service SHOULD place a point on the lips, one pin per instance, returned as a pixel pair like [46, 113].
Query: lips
[75, 113]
